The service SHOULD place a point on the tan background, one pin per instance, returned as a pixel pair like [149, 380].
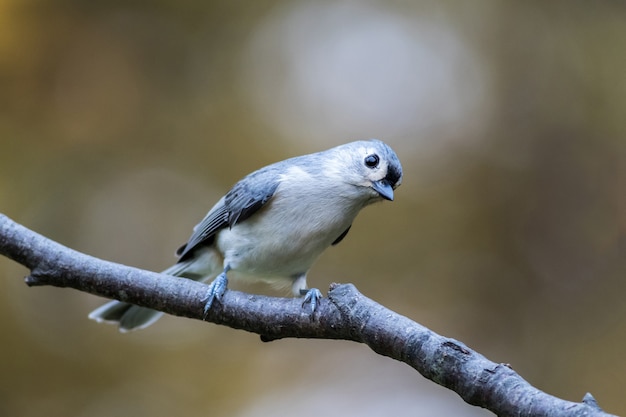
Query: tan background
[121, 123]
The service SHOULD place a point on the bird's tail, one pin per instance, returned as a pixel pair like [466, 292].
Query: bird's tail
[127, 316]
[131, 317]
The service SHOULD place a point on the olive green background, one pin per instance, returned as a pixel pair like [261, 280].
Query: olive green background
[122, 122]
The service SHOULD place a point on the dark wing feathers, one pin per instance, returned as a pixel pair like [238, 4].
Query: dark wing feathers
[241, 202]
[244, 199]
[205, 230]
[341, 236]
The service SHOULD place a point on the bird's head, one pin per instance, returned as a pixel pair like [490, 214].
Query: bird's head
[370, 165]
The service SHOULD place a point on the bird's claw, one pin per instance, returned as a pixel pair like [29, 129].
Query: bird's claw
[312, 297]
[216, 291]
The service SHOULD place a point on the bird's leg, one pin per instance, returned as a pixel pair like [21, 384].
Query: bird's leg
[311, 296]
[216, 290]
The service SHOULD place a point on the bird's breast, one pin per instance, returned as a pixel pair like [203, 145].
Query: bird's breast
[285, 237]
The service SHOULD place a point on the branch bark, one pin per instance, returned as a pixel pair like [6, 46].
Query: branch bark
[346, 314]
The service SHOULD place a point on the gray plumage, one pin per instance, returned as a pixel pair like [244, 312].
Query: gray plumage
[274, 223]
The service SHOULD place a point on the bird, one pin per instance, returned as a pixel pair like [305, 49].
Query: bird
[275, 222]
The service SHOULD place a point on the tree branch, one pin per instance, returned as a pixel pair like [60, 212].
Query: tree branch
[346, 314]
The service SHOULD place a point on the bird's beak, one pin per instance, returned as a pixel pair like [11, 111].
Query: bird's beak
[383, 188]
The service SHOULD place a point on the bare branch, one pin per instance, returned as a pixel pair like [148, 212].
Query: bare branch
[346, 314]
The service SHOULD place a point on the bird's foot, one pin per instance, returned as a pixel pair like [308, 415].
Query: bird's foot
[312, 297]
[216, 291]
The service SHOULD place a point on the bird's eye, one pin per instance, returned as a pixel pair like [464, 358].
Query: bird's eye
[371, 161]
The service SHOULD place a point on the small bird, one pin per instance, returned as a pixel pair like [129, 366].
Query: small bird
[275, 222]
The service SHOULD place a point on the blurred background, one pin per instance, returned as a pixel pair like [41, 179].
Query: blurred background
[123, 122]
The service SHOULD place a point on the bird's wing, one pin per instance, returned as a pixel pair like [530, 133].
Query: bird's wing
[250, 194]
[241, 202]
[341, 236]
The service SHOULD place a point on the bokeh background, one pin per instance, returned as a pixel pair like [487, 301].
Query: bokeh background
[122, 122]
